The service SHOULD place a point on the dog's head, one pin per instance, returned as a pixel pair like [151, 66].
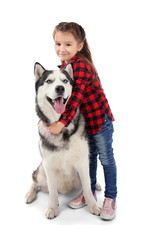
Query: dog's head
[53, 88]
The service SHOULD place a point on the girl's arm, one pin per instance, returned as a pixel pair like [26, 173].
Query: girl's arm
[81, 79]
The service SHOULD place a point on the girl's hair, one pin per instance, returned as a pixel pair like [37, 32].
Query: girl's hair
[79, 34]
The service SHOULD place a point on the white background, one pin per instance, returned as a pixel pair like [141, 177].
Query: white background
[122, 38]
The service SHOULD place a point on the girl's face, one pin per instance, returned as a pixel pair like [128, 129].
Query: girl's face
[66, 45]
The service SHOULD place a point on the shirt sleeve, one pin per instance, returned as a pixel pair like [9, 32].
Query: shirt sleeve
[81, 78]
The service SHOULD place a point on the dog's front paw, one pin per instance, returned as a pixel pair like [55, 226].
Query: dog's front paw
[94, 209]
[51, 213]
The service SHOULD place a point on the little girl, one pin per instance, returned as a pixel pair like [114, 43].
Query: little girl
[71, 46]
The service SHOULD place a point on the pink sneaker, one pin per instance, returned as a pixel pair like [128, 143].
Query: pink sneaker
[79, 201]
[108, 209]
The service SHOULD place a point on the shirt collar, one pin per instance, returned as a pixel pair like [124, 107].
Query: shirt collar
[71, 61]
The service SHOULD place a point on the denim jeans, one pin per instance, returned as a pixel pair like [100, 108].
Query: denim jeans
[101, 144]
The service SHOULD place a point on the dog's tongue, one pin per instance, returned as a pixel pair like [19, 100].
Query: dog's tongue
[59, 106]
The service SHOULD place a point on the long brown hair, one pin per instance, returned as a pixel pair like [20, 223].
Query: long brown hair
[80, 36]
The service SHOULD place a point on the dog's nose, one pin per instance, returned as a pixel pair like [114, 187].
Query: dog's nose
[59, 89]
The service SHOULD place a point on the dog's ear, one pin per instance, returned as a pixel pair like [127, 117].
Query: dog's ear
[68, 68]
[38, 70]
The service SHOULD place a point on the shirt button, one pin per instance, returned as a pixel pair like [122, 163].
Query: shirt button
[64, 117]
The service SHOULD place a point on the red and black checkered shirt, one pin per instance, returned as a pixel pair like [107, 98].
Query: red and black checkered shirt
[88, 95]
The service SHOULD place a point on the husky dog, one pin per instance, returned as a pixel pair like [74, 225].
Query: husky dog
[65, 162]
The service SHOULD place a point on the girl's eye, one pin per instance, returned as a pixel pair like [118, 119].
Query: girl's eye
[65, 80]
[49, 81]
[68, 45]
[58, 44]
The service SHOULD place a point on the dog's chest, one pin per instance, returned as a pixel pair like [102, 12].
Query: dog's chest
[65, 168]
[62, 162]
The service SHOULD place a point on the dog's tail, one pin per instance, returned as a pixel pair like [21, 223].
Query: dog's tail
[98, 187]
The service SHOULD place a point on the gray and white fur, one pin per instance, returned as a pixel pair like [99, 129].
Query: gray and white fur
[65, 162]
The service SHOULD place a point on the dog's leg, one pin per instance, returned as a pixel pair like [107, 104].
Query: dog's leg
[39, 183]
[53, 194]
[83, 171]
[31, 194]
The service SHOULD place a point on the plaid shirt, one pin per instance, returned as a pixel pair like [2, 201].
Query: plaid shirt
[88, 95]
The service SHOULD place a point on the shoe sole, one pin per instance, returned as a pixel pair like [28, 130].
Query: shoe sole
[77, 207]
[107, 218]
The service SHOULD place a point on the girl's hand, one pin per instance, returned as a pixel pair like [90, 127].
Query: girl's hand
[54, 128]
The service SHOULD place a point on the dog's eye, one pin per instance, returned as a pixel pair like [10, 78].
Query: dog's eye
[65, 80]
[49, 81]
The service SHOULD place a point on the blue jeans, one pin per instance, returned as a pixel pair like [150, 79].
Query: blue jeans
[101, 144]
